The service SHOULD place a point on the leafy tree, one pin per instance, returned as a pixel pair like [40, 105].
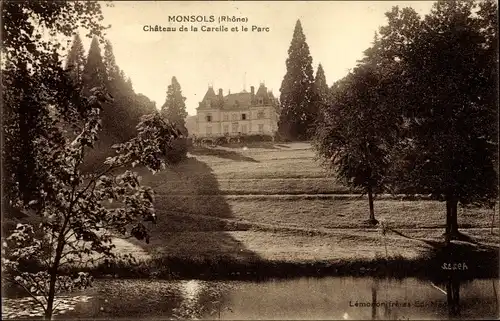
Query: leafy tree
[32, 61]
[76, 59]
[129, 85]
[298, 110]
[450, 110]
[76, 223]
[174, 108]
[40, 162]
[352, 139]
[434, 123]
[146, 105]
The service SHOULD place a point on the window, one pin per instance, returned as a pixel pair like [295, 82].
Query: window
[261, 101]
[209, 130]
[244, 129]
[237, 103]
[260, 114]
[243, 116]
[234, 117]
[234, 128]
[261, 128]
[209, 117]
[226, 129]
[226, 117]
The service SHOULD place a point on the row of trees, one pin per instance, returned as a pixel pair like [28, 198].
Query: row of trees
[53, 115]
[419, 112]
[122, 115]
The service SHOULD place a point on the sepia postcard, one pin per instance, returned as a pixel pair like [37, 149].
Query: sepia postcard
[250, 160]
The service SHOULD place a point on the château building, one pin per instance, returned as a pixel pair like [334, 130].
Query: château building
[243, 113]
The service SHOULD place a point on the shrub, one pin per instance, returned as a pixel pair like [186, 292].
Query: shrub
[256, 138]
[177, 151]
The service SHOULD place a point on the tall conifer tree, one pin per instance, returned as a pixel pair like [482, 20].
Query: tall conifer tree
[112, 70]
[322, 92]
[174, 108]
[76, 59]
[320, 83]
[94, 73]
[297, 90]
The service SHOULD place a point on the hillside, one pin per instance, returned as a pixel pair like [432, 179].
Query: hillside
[276, 203]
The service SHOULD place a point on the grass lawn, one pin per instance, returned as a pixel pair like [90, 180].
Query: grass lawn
[275, 204]
[262, 204]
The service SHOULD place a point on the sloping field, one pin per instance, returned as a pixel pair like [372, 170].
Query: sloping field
[264, 203]
[275, 203]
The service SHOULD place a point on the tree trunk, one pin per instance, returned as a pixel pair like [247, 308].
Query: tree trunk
[454, 218]
[370, 201]
[53, 275]
[451, 230]
[51, 296]
[448, 223]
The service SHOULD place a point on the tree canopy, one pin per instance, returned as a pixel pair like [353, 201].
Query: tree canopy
[434, 123]
[42, 164]
[174, 108]
[297, 107]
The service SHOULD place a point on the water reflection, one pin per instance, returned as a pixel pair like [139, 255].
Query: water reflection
[453, 297]
[390, 310]
[200, 299]
[330, 298]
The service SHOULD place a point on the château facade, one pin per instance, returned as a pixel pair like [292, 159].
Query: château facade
[243, 113]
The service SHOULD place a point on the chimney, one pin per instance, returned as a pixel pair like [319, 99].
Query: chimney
[252, 90]
[220, 92]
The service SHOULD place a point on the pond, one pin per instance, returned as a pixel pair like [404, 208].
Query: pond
[334, 298]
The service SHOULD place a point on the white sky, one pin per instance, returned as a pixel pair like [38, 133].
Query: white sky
[337, 33]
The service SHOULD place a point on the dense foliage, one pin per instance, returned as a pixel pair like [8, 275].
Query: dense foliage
[31, 61]
[322, 96]
[452, 108]
[298, 110]
[419, 113]
[174, 110]
[352, 136]
[51, 120]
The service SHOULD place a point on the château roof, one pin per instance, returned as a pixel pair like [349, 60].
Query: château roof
[242, 99]
[210, 94]
[262, 91]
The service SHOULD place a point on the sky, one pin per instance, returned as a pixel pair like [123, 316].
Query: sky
[337, 33]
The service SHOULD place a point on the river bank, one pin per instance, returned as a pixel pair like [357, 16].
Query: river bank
[435, 260]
